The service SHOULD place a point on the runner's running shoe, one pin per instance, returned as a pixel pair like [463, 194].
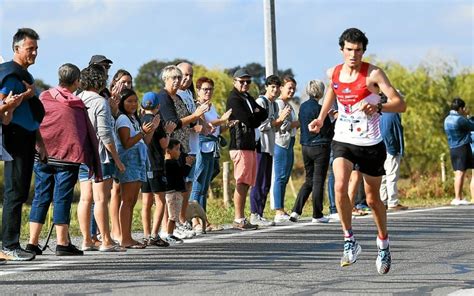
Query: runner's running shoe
[384, 261]
[352, 250]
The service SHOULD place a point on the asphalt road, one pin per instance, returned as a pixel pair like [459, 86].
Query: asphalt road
[432, 253]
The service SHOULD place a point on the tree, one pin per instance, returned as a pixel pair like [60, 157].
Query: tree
[258, 73]
[41, 85]
[149, 75]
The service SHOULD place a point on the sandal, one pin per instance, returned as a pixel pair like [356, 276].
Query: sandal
[113, 248]
[214, 227]
[90, 248]
[137, 245]
[359, 212]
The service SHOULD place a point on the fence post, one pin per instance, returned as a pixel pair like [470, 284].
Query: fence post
[443, 167]
[225, 180]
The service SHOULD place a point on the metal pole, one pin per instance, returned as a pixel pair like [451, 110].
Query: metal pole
[225, 180]
[270, 38]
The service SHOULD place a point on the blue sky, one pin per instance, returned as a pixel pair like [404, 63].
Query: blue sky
[226, 33]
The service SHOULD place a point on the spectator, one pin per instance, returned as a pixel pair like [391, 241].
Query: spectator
[175, 176]
[458, 130]
[187, 95]
[284, 154]
[172, 108]
[93, 80]
[243, 143]
[20, 136]
[154, 188]
[120, 81]
[208, 143]
[265, 148]
[316, 150]
[69, 146]
[131, 135]
[392, 133]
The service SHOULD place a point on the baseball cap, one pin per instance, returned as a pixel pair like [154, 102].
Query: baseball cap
[150, 101]
[97, 59]
[241, 73]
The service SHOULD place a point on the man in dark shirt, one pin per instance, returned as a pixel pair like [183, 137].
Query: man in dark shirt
[243, 142]
[20, 136]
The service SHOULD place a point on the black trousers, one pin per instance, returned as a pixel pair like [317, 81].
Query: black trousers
[316, 163]
[20, 143]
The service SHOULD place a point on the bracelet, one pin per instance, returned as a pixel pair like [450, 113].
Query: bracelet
[142, 132]
[379, 107]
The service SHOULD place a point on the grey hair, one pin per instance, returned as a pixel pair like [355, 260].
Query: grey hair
[68, 74]
[170, 71]
[21, 35]
[315, 89]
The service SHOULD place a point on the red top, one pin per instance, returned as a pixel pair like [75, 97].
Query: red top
[350, 93]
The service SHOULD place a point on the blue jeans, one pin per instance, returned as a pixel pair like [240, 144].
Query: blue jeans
[331, 181]
[53, 184]
[203, 171]
[283, 159]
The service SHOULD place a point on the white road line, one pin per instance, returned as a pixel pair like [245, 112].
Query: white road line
[55, 264]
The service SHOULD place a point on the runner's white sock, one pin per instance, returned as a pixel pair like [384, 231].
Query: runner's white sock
[382, 243]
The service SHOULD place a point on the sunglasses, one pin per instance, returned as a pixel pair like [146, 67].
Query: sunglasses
[243, 82]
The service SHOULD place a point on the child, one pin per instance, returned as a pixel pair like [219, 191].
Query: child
[175, 174]
[153, 189]
[133, 153]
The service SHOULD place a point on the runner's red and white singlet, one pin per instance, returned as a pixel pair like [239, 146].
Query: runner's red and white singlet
[353, 126]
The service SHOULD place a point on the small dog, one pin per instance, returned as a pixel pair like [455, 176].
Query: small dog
[195, 210]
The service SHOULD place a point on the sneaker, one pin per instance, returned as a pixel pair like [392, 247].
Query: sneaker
[188, 227]
[244, 225]
[281, 218]
[35, 249]
[183, 233]
[256, 219]
[157, 241]
[456, 202]
[384, 261]
[69, 250]
[294, 217]
[464, 202]
[320, 220]
[3, 261]
[173, 240]
[398, 207]
[352, 250]
[334, 216]
[17, 254]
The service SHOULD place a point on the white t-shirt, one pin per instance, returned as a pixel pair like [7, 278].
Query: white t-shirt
[124, 121]
[188, 100]
[210, 116]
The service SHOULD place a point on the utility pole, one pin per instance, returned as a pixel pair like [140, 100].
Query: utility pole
[270, 37]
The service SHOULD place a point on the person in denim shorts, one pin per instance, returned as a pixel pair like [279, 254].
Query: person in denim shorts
[131, 135]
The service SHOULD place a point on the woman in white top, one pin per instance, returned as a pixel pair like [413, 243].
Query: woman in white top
[208, 142]
[283, 156]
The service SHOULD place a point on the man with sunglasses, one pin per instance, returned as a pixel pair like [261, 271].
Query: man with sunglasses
[243, 142]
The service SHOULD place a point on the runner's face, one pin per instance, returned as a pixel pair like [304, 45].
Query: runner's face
[27, 52]
[131, 104]
[352, 53]
[272, 91]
